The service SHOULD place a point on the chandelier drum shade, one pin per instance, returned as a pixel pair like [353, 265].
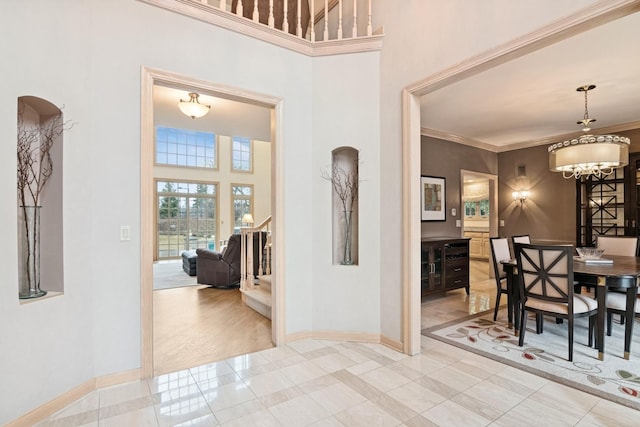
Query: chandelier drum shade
[192, 107]
[589, 155]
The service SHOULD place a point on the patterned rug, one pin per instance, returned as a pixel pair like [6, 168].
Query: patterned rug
[614, 379]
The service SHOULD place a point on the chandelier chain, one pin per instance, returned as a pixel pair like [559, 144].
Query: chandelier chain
[586, 110]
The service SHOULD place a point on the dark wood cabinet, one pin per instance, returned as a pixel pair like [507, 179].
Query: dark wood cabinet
[444, 264]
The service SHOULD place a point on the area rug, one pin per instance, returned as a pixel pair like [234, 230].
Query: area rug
[169, 274]
[546, 354]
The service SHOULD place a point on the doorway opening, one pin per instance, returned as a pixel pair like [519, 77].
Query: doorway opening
[213, 210]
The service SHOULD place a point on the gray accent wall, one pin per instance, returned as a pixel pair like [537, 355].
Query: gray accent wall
[549, 214]
[445, 159]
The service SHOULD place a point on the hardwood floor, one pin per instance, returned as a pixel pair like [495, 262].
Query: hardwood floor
[196, 325]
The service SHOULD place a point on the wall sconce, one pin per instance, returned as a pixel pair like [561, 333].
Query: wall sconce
[522, 196]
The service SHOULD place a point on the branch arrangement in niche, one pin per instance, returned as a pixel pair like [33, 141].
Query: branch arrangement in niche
[345, 183]
[35, 165]
[34, 168]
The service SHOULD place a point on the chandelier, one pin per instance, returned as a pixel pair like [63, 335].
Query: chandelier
[192, 107]
[589, 155]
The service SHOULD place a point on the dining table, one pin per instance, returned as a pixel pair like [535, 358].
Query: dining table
[622, 274]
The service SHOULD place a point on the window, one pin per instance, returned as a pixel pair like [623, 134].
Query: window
[476, 208]
[242, 203]
[241, 154]
[186, 218]
[182, 147]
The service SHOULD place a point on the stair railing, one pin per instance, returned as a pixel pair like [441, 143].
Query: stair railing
[262, 11]
[247, 277]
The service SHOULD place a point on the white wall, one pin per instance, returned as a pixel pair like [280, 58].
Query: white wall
[87, 55]
[423, 37]
[346, 113]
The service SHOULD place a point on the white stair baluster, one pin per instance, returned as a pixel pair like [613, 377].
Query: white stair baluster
[313, 21]
[340, 20]
[369, 21]
[239, 8]
[223, 5]
[285, 19]
[256, 14]
[354, 32]
[325, 36]
[271, 21]
[299, 19]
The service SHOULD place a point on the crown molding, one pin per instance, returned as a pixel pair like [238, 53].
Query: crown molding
[239, 24]
[433, 133]
[552, 139]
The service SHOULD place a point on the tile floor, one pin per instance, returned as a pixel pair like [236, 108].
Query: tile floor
[326, 383]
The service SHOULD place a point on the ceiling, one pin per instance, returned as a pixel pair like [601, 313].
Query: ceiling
[534, 98]
[227, 117]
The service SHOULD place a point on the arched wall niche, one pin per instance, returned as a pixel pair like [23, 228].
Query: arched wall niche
[345, 180]
[39, 120]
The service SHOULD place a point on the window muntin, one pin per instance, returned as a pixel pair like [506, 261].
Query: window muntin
[186, 217]
[479, 208]
[241, 154]
[242, 203]
[186, 148]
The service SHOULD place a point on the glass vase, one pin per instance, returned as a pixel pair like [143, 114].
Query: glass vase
[346, 258]
[29, 274]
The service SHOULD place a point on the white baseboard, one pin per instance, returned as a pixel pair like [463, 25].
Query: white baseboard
[43, 411]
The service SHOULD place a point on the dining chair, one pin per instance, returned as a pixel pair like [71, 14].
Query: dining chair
[618, 245]
[546, 288]
[499, 252]
[617, 304]
[523, 238]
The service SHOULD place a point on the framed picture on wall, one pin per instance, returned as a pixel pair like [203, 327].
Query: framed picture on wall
[432, 198]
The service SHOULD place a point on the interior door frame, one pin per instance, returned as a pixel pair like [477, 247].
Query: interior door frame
[149, 78]
[493, 204]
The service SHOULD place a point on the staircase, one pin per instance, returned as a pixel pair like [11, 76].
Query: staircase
[259, 298]
[256, 289]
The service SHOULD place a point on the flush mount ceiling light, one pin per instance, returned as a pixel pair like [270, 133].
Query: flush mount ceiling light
[596, 155]
[192, 107]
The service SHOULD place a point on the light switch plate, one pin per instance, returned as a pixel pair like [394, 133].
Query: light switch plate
[502, 223]
[125, 233]
[458, 223]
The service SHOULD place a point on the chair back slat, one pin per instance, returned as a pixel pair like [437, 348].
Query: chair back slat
[546, 272]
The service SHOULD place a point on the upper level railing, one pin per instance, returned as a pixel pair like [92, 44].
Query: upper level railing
[312, 27]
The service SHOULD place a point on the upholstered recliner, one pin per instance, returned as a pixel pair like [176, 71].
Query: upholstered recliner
[222, 269]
